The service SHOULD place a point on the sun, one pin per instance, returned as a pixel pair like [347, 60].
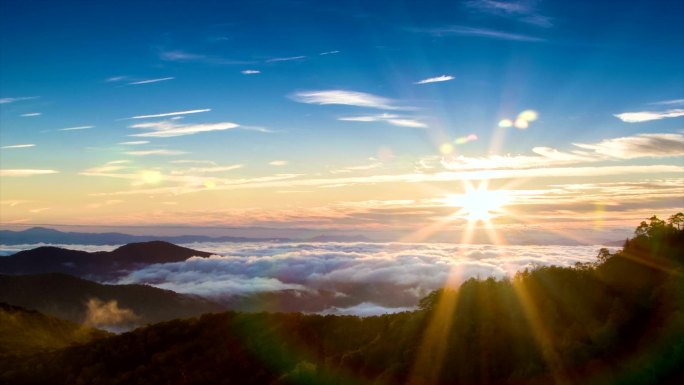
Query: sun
[480, 203]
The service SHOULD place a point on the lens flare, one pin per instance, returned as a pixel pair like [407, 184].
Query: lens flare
[465, 139]
[446, 148]
[505, 123]
[528, 115]
[521, 124]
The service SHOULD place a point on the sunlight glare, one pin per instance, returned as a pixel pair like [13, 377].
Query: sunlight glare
[479, 203]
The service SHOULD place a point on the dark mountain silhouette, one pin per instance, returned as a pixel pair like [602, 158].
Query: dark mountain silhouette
[69, 298]
[617, 321]
[25, 332]
[46, 235]
[100, 265]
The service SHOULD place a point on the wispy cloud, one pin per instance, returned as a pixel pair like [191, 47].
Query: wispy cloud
[165, 114]
[192, 161]
[290, 58]
[114, 79]
[148, 81]
[207, 170]
[250, 72]
[443, 78]
[673, 102]
[167, 129]
[458, 30]
[187, 57]
[348, 98]
[77, 128]
[108, 202]
[25, 172]
[631, 147]
[645, 116]
[639, 146]
[395, 120]
[134, 143]
[31, 114]
[17, 99]
[278, 163]
[328, 53]
[155, 152]
[18, 146]
[523, 11]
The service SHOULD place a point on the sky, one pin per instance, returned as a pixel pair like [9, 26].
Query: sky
[412, 121]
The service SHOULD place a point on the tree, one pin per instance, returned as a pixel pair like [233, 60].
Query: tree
[603, 255]
[676, 220]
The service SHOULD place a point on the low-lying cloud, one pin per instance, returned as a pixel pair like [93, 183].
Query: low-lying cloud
[108, 315]
[344, 278]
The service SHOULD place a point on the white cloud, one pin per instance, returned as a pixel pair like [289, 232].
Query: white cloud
[31, 114]
[328, 53]
[155, 152]
[250, 72]
[134, 143]
[348, 98]
[148, 81]
[17, 99]
[278, 163]
[18, 146]
[75, 128]
[25, 172]
[171, 114]
[645, 116]
[167, 129]
[443, 78]
[458, 30]
[392, 119]
[290, 58]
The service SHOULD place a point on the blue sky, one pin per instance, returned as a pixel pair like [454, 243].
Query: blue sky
[332, 102]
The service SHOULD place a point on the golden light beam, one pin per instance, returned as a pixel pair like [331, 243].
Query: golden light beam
[542, 336]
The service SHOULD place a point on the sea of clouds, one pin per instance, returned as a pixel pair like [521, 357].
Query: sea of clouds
[337, 278]
[343, 278]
